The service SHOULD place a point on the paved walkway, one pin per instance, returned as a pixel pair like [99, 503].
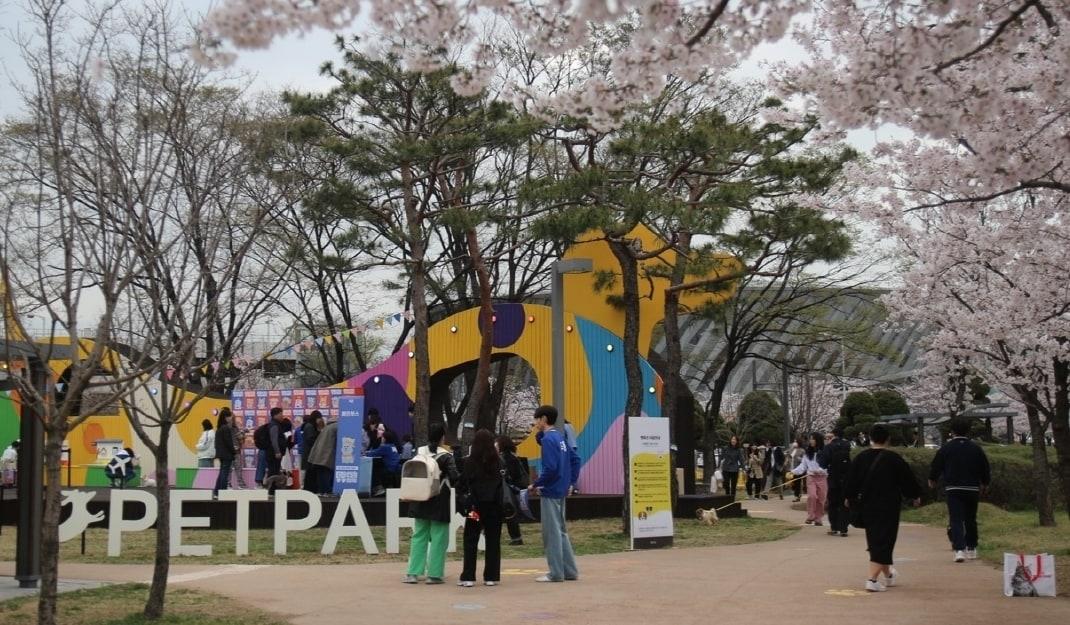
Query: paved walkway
[809, 577]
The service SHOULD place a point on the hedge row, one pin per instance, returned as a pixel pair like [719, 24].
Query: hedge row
[1012, 474]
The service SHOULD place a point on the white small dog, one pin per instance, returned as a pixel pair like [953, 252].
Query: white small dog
[709, 517]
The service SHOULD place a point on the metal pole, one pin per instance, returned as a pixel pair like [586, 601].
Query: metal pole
[30, 486]
[557, 337]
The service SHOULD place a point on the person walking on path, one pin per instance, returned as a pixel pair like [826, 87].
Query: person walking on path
[560, 468]
[206, 445]
[516, 477]
[963, 467]
[755, 477]
[775, 473]
[224, 450]
[878, 481]
[837, 458]
[431, 527]
[816, 479]
[731, 463]
[481, 483]
[795, 456]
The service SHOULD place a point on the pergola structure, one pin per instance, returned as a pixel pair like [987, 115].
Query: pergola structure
[976, 411]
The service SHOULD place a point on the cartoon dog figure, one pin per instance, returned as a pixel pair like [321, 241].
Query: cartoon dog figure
[709, 517]
[1020, 584]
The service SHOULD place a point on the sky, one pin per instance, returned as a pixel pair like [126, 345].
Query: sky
[293, 63]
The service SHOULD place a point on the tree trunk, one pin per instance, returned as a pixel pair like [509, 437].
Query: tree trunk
[1041, 469]
[488, 417]
[415, 235]
[486, 340]
[1060, 427]
[46, 604]
[633, 406]
[709, 427]
[154, 606]
[673, 353]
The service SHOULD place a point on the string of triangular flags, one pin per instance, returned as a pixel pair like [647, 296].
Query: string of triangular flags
[312, 343]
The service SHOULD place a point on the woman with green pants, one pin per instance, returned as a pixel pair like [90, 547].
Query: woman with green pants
[431, 526]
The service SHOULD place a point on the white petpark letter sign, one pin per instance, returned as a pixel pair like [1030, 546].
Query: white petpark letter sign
[348, 503]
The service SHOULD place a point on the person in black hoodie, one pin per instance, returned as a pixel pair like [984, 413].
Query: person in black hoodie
[963, 467]
[224, 451]
[430, 536]
[878, 481]
[481, 484]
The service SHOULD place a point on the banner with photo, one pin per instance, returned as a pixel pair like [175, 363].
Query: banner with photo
[348, 447]
[649, 482]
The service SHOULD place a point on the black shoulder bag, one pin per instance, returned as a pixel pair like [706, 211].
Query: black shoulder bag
[507, 498]
[856, 507]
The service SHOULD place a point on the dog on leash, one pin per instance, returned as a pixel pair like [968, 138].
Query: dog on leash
[709, 517]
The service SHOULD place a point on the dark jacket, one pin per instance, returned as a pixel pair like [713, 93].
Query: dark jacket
[224, 443]
[309, 433]
[962, 465]
[438, 508]
[731, 459]
[883, 491]
[479, 486]
[836, 457]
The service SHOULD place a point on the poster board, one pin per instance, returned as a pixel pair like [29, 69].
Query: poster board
[347, 459]
[253, 407]
[650, 482]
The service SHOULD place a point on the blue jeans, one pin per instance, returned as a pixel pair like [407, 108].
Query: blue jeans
[222, 482]
[555, 541]
[261, 465]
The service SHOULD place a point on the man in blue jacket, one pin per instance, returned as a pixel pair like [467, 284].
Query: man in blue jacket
[963, 467]
[560, 470]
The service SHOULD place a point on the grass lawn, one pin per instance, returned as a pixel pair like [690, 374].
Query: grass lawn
[1012, 532]
[122, 604]
[590, 536]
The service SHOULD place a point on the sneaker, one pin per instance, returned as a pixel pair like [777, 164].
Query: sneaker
[809, 521]
[796, 500]
[971, 554]
[843, 534]
[873, 585]
[410, 579]
[466, 584]
[818, 523]
[435, 580]
[960, 556]
[833, 533]
[891, 580]
[516, 541]
[572, 579]
[546, 578]
[491, 582]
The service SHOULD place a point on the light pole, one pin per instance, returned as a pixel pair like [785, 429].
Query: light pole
[557, 314]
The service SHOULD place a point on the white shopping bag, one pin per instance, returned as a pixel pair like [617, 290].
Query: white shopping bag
[715, 483]
[1028, 575]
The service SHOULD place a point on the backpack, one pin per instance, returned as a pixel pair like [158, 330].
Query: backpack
[421, 477]
[262, 436]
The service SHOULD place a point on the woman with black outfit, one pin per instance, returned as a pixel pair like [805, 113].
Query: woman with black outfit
[878, 481]
[481, 484]
[516, 476]
[224, 450]
[731, 461]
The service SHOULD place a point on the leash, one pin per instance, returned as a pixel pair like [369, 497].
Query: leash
[768, 490]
